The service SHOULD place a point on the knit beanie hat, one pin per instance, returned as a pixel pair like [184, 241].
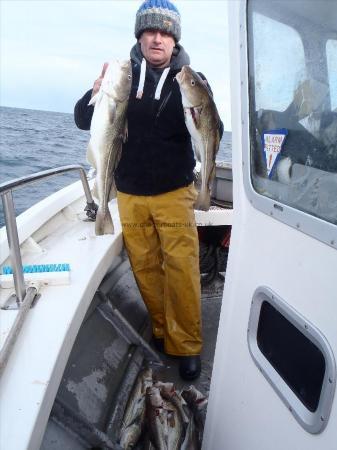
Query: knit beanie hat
[158, 15]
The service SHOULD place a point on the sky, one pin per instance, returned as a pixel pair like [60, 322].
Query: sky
[52, 50]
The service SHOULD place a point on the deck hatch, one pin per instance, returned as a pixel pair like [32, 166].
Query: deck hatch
[294, 357]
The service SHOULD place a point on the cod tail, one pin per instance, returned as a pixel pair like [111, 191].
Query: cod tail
[203, 201]
[104, 224]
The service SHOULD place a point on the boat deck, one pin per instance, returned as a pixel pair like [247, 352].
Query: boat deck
[102, 366]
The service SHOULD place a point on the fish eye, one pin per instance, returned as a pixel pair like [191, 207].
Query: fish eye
[129, 76]
[192, 82]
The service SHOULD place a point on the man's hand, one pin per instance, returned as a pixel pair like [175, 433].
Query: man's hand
[98, 82]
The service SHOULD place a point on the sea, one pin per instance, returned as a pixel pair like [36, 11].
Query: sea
[32, 141]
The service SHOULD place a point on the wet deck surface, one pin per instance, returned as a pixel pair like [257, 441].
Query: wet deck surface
[102, 367]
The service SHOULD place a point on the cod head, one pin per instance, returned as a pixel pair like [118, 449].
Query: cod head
[117, 80]
[153, 397]
[194, 90]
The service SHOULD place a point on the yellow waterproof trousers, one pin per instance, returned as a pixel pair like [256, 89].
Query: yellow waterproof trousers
[161, 238]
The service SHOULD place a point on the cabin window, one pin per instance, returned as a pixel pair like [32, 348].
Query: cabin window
[276, 68]
[294, 357]
[293, 105]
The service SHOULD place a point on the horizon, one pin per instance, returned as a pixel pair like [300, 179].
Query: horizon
[60, 112]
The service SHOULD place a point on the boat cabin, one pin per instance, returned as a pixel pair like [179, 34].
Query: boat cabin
[274, 374]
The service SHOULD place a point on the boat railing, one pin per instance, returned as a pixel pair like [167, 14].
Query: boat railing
[23, 299]
[6, 190]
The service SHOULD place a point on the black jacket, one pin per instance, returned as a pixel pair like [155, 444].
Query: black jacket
[158, 155]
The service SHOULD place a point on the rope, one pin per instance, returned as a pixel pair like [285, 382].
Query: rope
[212, 260]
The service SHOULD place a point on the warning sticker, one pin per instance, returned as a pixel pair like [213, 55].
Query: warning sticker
[272, 143]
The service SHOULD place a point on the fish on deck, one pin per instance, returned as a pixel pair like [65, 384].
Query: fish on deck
[133, 420]
[167, 418]
[197, 403]
[157, 417]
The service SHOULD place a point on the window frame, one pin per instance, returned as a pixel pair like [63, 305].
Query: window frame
[313, 226]
[313, 422]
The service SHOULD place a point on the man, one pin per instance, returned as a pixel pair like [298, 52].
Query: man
[154, 180]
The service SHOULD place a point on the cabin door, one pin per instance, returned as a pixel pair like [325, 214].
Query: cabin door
[274, 376]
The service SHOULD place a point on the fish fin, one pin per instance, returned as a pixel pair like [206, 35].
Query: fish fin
[217, 143]
[91, 156]
[94, 190]
[171, 420]
[203, 201]
[96, 98]
[212, 175]
[112, 112]
[196, 115]
[196, 150]
[104, 224]
[113, 191]
[126, 131]
[93, 100]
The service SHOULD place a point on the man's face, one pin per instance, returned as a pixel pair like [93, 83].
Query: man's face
[157, 47]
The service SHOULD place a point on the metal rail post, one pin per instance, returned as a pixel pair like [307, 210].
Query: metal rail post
[86, 187]
[14, 246]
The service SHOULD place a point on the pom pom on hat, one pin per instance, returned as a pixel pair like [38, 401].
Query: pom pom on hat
[158, 15]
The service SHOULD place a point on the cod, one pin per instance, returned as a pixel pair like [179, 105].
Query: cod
[203, 123]
[108, 131]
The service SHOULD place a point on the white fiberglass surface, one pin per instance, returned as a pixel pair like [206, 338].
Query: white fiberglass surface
[31, 378]
[244, 410]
